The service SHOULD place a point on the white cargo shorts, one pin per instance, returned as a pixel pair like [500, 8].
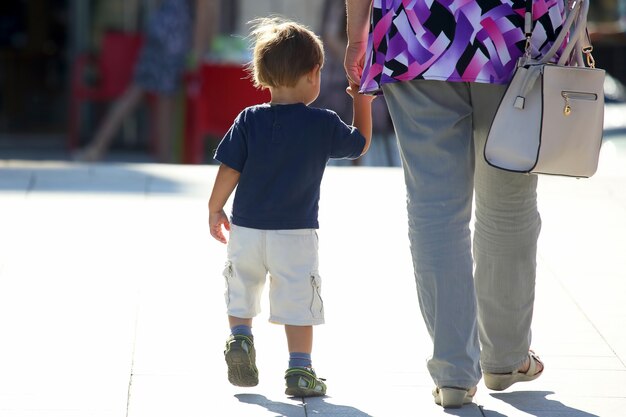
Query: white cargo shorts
[290, 258]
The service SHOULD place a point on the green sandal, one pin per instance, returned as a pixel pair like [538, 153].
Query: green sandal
[302, 382]
[240, 357]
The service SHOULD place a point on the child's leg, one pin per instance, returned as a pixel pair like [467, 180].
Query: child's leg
[299, 338]
[300, 378]
[240, 326]
[245, 276]
[300, 345]
[240, 353]
[295, 297]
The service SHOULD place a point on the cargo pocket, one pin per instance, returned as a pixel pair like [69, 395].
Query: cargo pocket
[317, 305]
[228, 275]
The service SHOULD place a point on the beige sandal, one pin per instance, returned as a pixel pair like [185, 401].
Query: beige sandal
[448, 397]
[500, 382]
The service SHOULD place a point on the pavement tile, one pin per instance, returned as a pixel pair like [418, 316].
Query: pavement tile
[198, 395]
[60, 413]
[13, 180]
[108, 275]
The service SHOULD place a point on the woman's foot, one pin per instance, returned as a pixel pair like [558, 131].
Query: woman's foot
[529, 361]
[531, 369]
[453, 397]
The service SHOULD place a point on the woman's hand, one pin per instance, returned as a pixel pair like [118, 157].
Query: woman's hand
[354, 61]
[357, 28]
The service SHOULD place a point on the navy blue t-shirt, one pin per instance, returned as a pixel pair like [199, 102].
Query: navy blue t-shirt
[281, 152]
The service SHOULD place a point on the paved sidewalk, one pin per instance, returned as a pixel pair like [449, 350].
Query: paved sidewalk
[111, 300]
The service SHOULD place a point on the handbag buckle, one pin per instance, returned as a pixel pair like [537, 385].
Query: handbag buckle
[567, 109]
[591, 63]
[576, 95]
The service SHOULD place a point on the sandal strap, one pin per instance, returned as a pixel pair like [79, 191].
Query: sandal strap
[534, 360]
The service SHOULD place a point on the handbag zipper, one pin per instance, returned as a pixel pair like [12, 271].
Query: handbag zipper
[575, 95]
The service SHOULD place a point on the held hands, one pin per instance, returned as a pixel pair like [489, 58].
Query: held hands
[216, 221]
[353, 91]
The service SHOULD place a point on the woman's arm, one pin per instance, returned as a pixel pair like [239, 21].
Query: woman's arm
[358, 29]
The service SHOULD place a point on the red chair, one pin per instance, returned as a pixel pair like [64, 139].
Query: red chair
[214, 97]
[114, 71]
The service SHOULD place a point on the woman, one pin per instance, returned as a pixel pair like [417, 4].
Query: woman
[443, 67]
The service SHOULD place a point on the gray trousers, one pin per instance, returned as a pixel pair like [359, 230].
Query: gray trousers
[466, 292]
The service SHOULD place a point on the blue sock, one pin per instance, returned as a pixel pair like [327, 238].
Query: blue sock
[241, 329]
[299, 359]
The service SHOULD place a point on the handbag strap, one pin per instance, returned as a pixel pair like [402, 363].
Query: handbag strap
[577, 45]
[578, 42]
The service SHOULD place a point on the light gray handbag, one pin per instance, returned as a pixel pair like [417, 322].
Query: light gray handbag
[550, 120]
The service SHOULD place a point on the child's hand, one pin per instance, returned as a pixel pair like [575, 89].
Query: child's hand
[216, 221]
[352, 90]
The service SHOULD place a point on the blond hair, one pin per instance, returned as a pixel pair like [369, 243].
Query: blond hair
[283, 52]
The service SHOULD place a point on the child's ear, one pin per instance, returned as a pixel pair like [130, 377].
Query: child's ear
[312, 75]
[314, 71]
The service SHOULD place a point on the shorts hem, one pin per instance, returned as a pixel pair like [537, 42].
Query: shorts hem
[241, 315]
[291, 322]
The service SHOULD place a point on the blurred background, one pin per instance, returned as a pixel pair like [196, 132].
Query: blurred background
[64, 63]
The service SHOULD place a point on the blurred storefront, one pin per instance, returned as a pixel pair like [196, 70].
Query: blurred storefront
[39, 40]
[608, 33]
[33, 66]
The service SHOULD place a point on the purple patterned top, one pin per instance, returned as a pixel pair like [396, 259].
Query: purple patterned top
[453, 40]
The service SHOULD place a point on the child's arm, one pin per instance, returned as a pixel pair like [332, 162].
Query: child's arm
[225, 182]
[362, 114]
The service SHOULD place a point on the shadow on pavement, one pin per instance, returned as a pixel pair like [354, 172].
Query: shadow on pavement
[535, 403]
[489, 413]
[282, 409]
[313, 406]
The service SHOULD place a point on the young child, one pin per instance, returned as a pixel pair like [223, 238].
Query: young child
[275, 154]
